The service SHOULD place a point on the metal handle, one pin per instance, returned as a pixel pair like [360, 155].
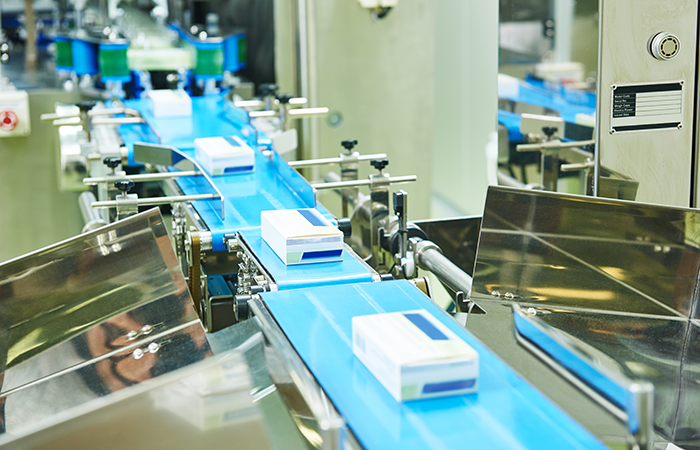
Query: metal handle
[358, 183]
[143, 177]
[552, 145]
[337, 160]
[152, 201]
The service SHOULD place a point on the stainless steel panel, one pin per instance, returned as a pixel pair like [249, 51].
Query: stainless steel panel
[660, 159]
[582, 252]
[92, 315]
[64, 290]
[619, 279]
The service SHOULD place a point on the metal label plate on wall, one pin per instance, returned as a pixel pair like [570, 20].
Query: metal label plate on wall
[639, 107]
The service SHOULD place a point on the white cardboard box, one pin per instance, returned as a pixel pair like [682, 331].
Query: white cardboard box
[415, 356]
[301, 236]
[224, 155]
[170, 103]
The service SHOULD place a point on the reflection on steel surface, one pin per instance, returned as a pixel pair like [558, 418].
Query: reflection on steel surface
[92, 315]
[206, 405]
[618, 278]
[312, 410]
[582, 252]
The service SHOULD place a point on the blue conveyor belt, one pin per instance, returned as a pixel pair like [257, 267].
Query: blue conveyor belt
[506, 413]
[347, 271]
[273, 184]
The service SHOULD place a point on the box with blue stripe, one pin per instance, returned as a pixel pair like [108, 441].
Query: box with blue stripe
[301, 236]
[415, 356]
[225, 155]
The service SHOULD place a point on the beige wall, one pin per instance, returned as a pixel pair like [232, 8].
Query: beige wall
[33, 213]
[419, 85]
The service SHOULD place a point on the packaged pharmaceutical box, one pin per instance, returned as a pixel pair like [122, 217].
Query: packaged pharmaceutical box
[415, 356]
[170, 103]
[224, 155]
[301, 236]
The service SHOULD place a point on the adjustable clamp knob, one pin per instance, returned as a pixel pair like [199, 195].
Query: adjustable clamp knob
[549, 131]
[284, 98]
[86, 105]
[124, 185]
[379, 164]
[349, 144]
[112, 162]
[268, 89]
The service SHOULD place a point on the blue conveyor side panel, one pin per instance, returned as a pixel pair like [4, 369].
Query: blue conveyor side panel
[347, 271]
[209, 119]
[506, 413]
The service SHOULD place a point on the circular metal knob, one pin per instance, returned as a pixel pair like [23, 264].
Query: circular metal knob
[664, 46]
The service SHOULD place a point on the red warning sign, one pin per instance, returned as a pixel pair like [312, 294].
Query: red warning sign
[8, 120]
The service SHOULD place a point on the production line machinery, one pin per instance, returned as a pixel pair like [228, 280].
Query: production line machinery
[228, 281]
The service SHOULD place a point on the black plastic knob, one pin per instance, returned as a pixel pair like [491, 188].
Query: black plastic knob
[124, 185]
[379, 164]
[549, 131]
[284, 98]
[345, 225]
[268, 89]
[86, 105]
[112, 162]
[349, 144]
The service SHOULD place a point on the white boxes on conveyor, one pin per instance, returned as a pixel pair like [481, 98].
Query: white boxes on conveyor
[224, 155]
[415, 356]
[170, 103]
[301, 236]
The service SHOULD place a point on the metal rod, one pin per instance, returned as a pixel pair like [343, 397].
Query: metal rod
[552, 145]
[429, 257]
[308, 112]
[259, 114]
[91, 217]
[117, 120]
[577, 166]
[158, 200]
[113, 112]
[358, 183]
[249, 104]
[54, 116]
[337, 160]
[144, 177]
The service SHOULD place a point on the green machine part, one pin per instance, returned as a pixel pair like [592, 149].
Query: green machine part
[64, 53]
[210, 62]
[113, 60]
